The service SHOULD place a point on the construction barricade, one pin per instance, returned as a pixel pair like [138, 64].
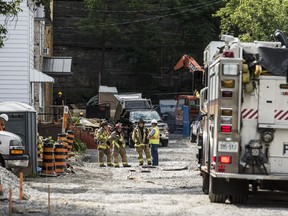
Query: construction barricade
[62, 138]
[60, 159]
[70, 139]
[48, 163]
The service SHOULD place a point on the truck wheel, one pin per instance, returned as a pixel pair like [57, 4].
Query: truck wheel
[205, 182]
[193, 137]
[239, 199]
[216, 197]
[164, 143]
[2, 163]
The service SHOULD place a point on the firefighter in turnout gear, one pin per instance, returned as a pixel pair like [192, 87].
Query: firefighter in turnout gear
[154, 140]
[139, 136]
[117, 139]
[101, 136]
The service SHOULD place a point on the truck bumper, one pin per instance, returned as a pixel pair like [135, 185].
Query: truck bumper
[16, 161]
[249, 176]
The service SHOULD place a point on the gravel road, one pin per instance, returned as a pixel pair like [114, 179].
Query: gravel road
[173, 188]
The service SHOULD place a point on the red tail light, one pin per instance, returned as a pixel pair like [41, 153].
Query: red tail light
[227, 94]
[214, 159]
[225, 159]
[221, 168]
[226, 128]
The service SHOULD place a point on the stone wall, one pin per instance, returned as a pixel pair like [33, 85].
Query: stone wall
[87, 61]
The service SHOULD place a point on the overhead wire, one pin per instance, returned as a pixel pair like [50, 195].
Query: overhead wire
[137, 11]
[160, 16]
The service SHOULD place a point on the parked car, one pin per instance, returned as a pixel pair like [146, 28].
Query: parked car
[12, 152]
[131, 117]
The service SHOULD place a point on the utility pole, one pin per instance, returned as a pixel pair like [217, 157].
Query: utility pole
[102, 70]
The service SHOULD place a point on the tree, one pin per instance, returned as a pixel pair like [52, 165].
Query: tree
[150, 35]
[10, 9]
[253, 19]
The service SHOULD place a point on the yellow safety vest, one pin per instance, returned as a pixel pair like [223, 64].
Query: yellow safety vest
[155, 139]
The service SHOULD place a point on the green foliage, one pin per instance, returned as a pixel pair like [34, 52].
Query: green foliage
[253, 19]
[152, 33]
[79, 146]
[10, 9]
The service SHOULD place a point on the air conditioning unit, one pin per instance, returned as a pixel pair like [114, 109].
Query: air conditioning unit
[45, 51]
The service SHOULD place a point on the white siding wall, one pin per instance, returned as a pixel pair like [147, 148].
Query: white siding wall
[17, 58]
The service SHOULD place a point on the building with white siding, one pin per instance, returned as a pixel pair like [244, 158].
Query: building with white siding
[19, 80]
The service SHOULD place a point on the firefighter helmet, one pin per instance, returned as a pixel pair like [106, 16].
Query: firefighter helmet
[59, 93]
[118, 126]
[4, 116]
[154, 121]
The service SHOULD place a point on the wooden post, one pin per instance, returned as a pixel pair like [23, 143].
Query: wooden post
[48, 199]
[21, 186]
[10, 202]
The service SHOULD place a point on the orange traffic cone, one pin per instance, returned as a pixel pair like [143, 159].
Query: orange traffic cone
[2, 197]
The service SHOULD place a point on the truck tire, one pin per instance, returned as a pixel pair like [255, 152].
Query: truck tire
[193, 137]
[239, 199]
[164, 143]
[205, 182]
[2, 162]
[215, 197]
[235, 189]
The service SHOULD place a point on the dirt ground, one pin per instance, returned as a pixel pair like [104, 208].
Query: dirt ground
[173, 188]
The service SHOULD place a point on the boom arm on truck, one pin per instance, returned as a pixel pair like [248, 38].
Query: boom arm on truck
[192, 101]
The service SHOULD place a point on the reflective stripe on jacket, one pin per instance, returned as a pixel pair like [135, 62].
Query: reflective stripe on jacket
[155, 139]
[102, 136]
[138, 138]
[117, 139]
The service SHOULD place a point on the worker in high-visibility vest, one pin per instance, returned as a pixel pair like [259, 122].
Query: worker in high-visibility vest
[3, 119]
[139, 136]
[154, 140]
[102, 136]
[117, 139]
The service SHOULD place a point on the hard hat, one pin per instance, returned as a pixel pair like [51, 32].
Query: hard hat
[118, 126]
[104, 123]
[59, 93]
[154, 121]
[4, 116]
[141, 121]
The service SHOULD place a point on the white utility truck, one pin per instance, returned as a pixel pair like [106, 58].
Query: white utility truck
[243, 142]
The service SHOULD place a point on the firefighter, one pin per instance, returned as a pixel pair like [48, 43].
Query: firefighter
[154, 140]
[101, 136]
[58, 109]
[3, 119]
[59, 100]
[139, 136]
[117, 139]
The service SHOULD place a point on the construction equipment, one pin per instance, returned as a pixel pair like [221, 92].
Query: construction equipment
[192, 101]
[244, 140]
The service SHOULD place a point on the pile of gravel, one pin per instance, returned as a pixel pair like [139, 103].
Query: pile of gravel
[10, 180]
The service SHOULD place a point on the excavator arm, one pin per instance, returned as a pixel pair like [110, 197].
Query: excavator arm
[189, 62]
